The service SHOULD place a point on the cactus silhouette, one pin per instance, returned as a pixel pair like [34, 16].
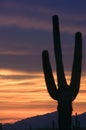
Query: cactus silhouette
[64, 93]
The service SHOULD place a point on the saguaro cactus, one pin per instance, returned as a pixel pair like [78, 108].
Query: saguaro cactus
[64, 93]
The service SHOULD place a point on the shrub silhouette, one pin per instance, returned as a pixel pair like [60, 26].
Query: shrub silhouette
[65, 93]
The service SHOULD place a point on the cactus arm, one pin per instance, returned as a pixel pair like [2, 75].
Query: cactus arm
[58, 55]
[51, 87]
[76, 70]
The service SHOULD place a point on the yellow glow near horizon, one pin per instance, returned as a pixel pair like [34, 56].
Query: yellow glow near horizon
[24, 94]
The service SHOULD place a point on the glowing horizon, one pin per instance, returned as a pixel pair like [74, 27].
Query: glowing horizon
[24, 94]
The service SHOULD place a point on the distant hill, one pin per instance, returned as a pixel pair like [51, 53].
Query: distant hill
[42, 121]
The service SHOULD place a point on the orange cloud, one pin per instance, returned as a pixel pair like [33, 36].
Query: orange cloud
[29, 97]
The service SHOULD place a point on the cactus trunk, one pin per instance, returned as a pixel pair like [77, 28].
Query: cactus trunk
[64, 116]
[64, 93]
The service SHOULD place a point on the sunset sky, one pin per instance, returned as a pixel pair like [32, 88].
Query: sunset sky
[25, 31]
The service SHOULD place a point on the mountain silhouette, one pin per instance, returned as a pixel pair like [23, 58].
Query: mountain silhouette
[42, 121]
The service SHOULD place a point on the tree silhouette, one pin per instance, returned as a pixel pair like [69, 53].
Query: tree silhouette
[64, 93]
